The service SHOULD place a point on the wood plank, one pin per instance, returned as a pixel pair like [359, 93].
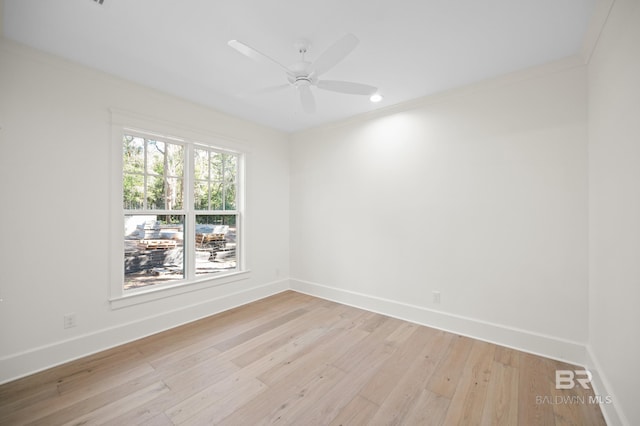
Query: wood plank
[106, 411]
[200, 376]
[245, 377]
[376, 389]
[259, 330]
[183, 359]
[288, 378]
[445, 380]
[534, 380]
[183, 385]
[501, 404]
[507, 356]
[216, 402]
[12, 411]
[83, 400]
[357, 412]
[217, 328]
[270, 406]
[157, 420]
[428, 409]
[17, 389]
[467, 403]
[323, 407]
[250, 351]
[402, 333]
[88, 403]
[292, 405]
[402, 399]
[296, 359]
[354, 357]
[359, 364]
[324, 351]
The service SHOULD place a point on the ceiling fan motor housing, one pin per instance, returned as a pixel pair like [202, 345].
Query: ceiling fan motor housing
[300, 75]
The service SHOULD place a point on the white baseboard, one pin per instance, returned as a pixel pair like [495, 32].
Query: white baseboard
[25, 363]
[601, 386]
[535, 343]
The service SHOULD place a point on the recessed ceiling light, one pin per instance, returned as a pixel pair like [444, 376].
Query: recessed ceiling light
[376, 97]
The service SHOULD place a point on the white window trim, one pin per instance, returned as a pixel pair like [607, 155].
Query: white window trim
[151, 294]
[124, 122]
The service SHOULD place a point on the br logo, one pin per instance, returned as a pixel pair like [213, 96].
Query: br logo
[566, 379]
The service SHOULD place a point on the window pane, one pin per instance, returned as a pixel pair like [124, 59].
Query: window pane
[215, 237]
[201, 195]
[217, 165]
[153, 250]
[230, 197]
[230, 173]
[220, 171]
[231, 166]
[155, 157]
[133, 154]
[133, 191]
[216, 195]
[201, 165]
[175, 160]
[155, 192]
[175, 190]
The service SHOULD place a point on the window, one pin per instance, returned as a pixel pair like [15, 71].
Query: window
[180, 206]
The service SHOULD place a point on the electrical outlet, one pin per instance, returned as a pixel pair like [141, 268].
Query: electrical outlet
[436, 297]
[70, 320]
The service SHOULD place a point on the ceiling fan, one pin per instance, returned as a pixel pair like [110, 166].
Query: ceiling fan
[304, 74]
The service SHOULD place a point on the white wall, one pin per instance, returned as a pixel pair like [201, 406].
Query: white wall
[614, 198]
[480, 193]
[54, 223]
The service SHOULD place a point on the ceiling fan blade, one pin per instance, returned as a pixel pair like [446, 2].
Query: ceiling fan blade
[307, 99]
[347, 87]
[264, 91]
[334, 54]
[252, 53]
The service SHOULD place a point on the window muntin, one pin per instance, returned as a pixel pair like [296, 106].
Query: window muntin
[167, 238]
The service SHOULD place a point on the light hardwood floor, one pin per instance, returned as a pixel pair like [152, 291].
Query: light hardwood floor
[296, 359]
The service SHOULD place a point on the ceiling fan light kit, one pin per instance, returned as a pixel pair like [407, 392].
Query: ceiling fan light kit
[304, 74]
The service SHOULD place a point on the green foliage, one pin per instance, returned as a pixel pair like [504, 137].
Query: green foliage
[133, 191]
[159, 166]
[215, 186]
[133, 165]
[153, 176]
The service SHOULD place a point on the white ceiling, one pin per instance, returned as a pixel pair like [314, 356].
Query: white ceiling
[408, 48]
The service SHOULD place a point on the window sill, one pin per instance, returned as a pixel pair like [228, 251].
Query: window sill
[144, 296]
